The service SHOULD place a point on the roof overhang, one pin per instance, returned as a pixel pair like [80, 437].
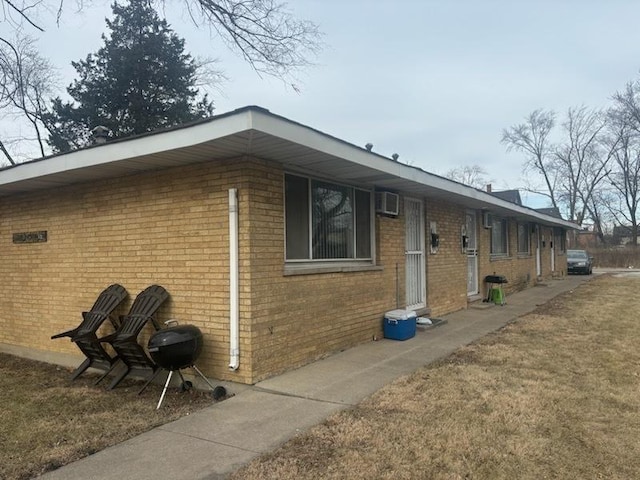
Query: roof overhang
[253, 131]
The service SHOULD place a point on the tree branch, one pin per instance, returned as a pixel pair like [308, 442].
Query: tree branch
[6, 153]
[20, 12]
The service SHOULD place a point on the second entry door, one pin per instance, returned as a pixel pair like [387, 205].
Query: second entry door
[414, 254]
[471, 230]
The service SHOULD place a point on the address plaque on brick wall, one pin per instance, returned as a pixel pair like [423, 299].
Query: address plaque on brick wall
[30, 237]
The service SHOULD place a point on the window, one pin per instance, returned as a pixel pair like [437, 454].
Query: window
[561, 240]
[326, 221]
[523, 238]
[499, 236]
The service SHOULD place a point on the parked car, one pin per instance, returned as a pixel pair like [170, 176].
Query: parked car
[579, 261]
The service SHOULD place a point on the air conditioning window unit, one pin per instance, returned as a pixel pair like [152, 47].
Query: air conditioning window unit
[486, 219]
[387, 203]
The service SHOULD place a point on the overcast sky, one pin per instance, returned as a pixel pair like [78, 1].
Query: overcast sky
[434, 81]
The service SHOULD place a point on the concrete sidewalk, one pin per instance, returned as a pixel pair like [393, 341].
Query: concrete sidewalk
[213, 442]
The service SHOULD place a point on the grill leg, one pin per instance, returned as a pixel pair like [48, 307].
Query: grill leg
[155, 374]
[166, 385]
[203, 377]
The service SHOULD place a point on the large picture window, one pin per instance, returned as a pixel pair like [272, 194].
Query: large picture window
[499, 236]
[326, 221]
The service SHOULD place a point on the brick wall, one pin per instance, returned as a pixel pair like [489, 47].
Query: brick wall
[560, 260]
[171, 227]
[446, 269]
[168, 227]
[519, 268]
[298, 318]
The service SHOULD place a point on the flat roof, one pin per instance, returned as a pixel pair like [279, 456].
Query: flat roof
[253, 131]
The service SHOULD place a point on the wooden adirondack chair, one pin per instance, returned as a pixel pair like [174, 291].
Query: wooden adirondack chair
[125, 339]
[84, 335]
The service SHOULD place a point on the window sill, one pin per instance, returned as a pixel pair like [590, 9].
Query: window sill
[497, 258]
[524, 255]
[310, 269]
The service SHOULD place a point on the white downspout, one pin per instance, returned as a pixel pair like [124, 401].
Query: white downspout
[234, 305]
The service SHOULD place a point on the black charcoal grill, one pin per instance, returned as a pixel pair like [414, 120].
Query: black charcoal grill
[175, 348]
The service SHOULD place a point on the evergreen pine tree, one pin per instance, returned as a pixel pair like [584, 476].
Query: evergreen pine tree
[140, 80]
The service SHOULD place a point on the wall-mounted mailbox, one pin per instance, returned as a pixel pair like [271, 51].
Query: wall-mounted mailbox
[434, 243]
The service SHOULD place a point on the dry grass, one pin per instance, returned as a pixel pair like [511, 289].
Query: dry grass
[46, 421]
[554, 395]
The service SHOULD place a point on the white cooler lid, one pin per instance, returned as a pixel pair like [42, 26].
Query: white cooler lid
[400, 314]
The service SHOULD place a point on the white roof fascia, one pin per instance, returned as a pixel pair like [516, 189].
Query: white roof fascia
[126, 149]
[297, 133]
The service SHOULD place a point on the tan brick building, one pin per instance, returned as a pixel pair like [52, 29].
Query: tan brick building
[329, 237]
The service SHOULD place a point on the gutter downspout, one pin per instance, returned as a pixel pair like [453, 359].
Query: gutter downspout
[234, 306]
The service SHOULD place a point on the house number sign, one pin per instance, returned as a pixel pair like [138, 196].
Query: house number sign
[30, 237]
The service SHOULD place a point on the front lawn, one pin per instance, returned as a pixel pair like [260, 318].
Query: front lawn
[553, 395]
[47, 421]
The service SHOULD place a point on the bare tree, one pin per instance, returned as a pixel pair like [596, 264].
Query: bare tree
[624, 178]
[627, 105]
[263, 32]
[582, 159]
[573, 169]
[27, 83]
[532, 138]
[598, 211]
[472, 175]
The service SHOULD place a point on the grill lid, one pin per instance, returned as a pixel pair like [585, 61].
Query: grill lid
[176, 347]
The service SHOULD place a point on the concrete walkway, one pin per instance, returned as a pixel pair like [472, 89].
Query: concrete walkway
[215, 441]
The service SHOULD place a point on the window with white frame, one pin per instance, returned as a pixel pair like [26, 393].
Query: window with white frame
[326, 221]
[499, 236]
[524, 244]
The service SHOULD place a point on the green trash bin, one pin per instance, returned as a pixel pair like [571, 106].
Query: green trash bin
[497, 296]
[495, 293]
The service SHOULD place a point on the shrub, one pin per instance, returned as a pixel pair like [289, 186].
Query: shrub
[616, 257]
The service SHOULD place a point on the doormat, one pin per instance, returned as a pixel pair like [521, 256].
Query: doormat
[483, 305]
[428, 323]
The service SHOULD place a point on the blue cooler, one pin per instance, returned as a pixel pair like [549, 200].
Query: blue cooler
[399, 324]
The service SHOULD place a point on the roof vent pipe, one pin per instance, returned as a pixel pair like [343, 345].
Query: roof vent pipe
[100, 134]
[369, 146]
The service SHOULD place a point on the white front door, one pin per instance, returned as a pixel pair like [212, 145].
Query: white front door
[414, 254]
[471, 249]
